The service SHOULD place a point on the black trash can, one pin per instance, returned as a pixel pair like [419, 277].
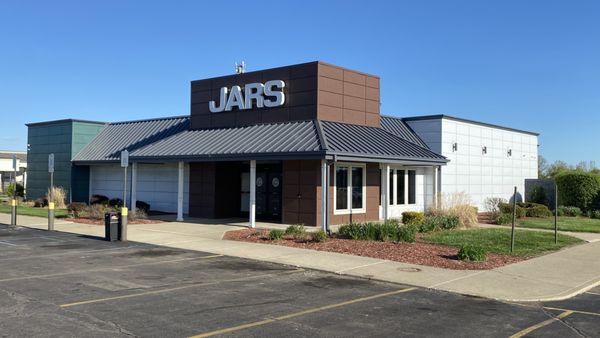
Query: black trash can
[120, 226]
[111, 226]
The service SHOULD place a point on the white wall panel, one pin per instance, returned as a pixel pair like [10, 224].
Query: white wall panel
[156, 184]
[493, 174]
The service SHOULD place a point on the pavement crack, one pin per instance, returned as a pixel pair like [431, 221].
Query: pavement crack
[564, 322]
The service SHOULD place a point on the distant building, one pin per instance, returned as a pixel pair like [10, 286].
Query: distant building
[7, 170]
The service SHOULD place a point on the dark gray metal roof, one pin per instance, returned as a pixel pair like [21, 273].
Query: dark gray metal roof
[398, 127]
[130, 135]
[171, 139]
[277, 139]
[364, 141]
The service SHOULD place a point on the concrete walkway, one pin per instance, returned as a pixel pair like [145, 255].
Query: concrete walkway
[556, 276]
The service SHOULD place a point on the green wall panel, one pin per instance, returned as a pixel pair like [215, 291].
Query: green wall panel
[65, 139]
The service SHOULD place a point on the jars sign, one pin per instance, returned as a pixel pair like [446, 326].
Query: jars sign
[254, 95]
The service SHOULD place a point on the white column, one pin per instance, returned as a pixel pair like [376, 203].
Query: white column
[385, 191]
[180, 191]
[252, 208]
[324, 187]
[90, 185]
[435, 186]
[405, 178]
[134, 167]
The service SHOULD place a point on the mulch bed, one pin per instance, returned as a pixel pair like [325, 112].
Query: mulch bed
[101, 222]
[420, 253]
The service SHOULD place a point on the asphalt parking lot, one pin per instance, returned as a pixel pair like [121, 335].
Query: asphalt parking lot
[58, 284]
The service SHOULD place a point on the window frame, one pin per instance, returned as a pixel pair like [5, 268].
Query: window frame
[349, 209]
[394, 171]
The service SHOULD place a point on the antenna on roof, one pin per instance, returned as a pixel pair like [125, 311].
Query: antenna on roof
[240, 68]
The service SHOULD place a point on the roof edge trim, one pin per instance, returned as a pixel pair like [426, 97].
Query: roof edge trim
[459, 119]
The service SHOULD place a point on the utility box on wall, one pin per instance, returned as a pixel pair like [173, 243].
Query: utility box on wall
[64, 139]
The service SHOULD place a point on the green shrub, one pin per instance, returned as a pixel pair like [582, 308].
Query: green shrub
[540, 211]
[115, 202]
[504, 219]
[407, 233]
[413, 217]
[578, 188]
[351, 231]
[569, 211]
[275, 234]
[595, 214]
[143, 206]
[41, 202]
[10, 190]
[390, 231]
[439, 222]
[471, 253]
[77, 209]
[99, 199]
[295, 230]
[507, 208]
[319, 236]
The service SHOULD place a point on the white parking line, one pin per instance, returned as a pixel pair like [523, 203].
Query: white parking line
[7, 243]
[69, 253]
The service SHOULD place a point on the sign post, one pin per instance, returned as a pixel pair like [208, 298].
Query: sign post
[555, 213]
[13, 202]
[124, 211]
[51, 201]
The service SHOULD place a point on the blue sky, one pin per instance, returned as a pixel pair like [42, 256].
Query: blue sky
[533, 65]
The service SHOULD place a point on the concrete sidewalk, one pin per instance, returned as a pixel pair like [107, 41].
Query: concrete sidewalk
[556, 276]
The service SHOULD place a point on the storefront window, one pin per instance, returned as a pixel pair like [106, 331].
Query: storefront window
[349, 189]
[357, 188]
[412, 191]
[341, 188]
[400, 186]
[404, 187]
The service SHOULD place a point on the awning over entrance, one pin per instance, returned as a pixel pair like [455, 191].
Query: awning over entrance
[170, 139]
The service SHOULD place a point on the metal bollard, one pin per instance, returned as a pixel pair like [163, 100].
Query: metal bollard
[124, 213]
[50, 216]
[13, 212]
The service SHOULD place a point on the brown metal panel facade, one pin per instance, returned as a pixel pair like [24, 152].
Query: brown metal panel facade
[314, 90]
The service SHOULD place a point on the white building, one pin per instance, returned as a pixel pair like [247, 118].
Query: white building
[485, 160]
[7, 170]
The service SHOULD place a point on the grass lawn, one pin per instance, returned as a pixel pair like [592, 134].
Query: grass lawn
[27, 211]
[577, 224]
[527, 243]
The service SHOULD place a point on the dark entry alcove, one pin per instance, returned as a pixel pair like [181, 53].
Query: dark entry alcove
[232, 191]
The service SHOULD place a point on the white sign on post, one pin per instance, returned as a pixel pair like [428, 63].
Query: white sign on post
[124, 159]
[51, 163]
